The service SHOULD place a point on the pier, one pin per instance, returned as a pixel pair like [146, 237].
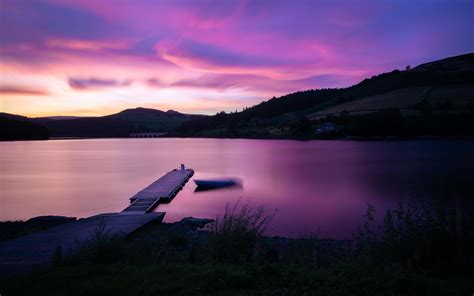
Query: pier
[36, 250]
[162, 190]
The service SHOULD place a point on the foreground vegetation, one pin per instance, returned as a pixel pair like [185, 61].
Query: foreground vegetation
[225, 279]
[415, 251]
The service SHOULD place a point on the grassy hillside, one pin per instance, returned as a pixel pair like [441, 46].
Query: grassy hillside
[452, 98]
[442, 89]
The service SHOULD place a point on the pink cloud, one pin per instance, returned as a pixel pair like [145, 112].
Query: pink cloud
[20, 90]
[252, 49]
[95, 83]
[86, 45]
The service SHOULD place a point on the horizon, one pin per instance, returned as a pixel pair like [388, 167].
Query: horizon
[112, 112]
[92, 58]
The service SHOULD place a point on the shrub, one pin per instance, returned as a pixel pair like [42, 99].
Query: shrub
[235, 235]
[412, 236]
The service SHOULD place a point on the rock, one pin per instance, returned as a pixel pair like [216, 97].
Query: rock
[196, 222]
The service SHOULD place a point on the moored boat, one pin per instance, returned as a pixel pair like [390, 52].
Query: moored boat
[217, 183]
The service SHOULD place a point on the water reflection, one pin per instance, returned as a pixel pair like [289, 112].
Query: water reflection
[218, 184]
[199, 189]
[323, 185]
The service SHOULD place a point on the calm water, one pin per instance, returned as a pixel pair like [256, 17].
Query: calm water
[315, 186]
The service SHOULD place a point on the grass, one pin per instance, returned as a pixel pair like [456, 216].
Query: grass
[228, 279]
[414, 237]
[236, 234]
[405, 98]
[98, 248]
[414, 252]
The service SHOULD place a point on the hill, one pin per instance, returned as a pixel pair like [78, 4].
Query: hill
[15, 127]
[121, 124]
[435, 98]
[57, 117]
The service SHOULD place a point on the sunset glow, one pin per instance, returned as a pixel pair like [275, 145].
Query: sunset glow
[89, 57]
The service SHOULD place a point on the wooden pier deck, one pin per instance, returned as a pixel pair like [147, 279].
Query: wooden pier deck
[37, 249]
[162, 190]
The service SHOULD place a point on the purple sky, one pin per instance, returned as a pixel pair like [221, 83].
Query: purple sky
[90, 57]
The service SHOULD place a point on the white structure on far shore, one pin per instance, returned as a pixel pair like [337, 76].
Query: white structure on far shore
[147, 135]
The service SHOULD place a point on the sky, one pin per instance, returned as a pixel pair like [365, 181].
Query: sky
[97, 57]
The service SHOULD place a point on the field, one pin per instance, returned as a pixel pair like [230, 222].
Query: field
[458, 96]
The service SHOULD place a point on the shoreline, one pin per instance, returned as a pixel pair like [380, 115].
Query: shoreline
[181, 259]
[196, 230]
[13, 229]
[348, 138]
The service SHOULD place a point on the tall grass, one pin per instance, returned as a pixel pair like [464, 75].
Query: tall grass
[236, 233]
[412, 236]
[412, 252]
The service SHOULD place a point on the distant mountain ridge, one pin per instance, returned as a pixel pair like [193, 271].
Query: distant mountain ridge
[120, 124]
[435, 98]
[59, 117]
[127, 113]
[146, 112]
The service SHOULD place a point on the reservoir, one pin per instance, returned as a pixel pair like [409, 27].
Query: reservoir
[311, 187]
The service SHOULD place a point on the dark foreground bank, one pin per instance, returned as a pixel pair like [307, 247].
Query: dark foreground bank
[416, 251]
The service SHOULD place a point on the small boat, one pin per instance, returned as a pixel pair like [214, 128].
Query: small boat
[217, 183]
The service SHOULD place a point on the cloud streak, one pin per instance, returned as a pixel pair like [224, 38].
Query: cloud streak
[188, 50]
[95, 83]
[22, 91]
